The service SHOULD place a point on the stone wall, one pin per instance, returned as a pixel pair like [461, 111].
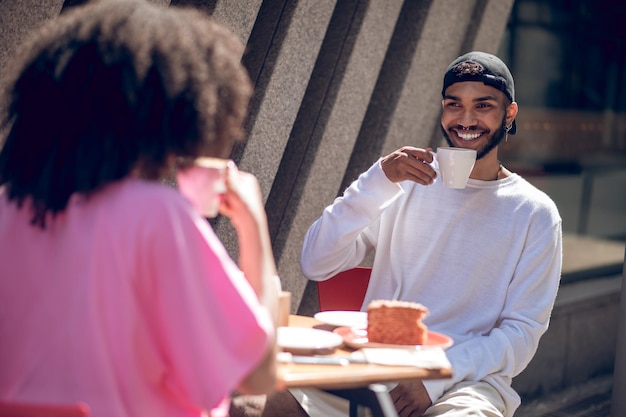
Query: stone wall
[338, 84]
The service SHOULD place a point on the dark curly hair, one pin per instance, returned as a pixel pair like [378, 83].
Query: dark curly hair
[113, 88]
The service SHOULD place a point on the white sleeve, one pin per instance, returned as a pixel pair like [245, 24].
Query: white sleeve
[502, 354]
[337, 240]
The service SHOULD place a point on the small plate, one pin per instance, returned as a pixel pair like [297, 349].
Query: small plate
[304, 340]
[343, 318]
[357, 338]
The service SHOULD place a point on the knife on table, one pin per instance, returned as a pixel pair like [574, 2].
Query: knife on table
[286, 357]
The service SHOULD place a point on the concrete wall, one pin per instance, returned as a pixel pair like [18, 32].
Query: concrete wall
[338, 84]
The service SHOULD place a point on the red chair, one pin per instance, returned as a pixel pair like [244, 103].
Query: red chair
[23, 409]
[344, 291]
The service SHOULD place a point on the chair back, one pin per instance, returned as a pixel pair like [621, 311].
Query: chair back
[344, 291]
[23, 409]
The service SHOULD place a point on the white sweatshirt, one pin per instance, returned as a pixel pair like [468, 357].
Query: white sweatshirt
[485, 260]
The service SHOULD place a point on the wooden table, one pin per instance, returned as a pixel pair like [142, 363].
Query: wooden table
[350, 381]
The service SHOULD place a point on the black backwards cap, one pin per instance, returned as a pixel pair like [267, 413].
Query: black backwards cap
[484, 67]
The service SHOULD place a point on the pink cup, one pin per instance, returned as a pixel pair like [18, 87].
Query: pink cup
[203, 184]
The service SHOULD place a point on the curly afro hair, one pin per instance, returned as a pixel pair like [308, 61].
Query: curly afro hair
[117, 87]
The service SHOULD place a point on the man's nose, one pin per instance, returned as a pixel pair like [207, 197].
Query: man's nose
[468, 118]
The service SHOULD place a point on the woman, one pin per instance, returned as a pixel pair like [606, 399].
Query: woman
[114, 290]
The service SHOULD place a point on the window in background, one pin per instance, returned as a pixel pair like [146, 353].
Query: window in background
[569, 62]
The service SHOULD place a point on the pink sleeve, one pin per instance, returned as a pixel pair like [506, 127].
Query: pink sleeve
[211, 327]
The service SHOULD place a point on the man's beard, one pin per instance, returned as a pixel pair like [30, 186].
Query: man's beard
[494, 141]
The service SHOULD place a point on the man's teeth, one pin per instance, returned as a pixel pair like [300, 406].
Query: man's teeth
[468, 136]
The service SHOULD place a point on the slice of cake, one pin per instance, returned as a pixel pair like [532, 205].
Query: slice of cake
[396, 322]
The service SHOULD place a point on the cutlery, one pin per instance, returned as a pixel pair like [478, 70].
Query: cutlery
[287, 357]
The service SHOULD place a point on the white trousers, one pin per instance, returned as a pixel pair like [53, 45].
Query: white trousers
[467, 398]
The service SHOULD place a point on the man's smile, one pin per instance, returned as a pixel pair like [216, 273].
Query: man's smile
[467, 135]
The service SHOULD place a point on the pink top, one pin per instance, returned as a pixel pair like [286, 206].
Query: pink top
[128, 302]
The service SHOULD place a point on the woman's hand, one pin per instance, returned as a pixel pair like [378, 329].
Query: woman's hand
[242, 202]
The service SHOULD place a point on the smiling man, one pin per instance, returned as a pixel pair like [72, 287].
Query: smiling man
[473, 115]
[485, 260]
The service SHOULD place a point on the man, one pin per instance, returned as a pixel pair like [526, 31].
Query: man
[485, 260]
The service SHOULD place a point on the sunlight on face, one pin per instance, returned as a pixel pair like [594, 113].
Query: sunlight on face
[474, 116]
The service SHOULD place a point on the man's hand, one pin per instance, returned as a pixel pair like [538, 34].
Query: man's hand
[410, 399]
[409, 163]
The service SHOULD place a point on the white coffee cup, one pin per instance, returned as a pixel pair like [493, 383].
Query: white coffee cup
[455, 165]
[203, 184]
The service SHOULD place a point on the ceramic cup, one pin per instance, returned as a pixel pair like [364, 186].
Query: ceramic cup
[455, 165]
[203, 184]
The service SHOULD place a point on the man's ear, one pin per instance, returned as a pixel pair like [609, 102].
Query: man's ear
[511, 113]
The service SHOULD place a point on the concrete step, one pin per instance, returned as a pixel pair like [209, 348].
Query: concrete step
[580, 342]
[586, 257]
[591, 398]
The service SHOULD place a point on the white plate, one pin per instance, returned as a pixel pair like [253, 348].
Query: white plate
[357, 339]
[343, 318]
[304, 340]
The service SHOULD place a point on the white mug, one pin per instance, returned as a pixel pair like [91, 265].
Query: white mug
[455, 165]
[203, 184]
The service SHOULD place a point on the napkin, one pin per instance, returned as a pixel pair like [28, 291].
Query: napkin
[421, 358]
